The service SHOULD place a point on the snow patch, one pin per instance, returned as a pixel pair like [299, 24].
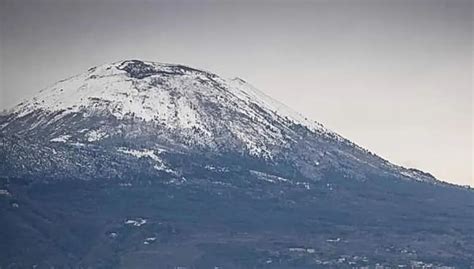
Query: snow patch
[77, 144]
[149, 240]
[304, 184]
[148, 153]
[141, 153]
[136, 222]
[268, 177]
[5, 192]
[95, 135]
[216, 169]
[62, 139]
[300, 249]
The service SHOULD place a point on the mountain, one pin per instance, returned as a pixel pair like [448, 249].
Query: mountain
[139, 164]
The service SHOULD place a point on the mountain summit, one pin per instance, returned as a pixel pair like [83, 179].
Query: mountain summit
[140, 164]
[156, 106]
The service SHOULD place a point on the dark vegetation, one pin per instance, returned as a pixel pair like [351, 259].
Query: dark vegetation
[240, 222]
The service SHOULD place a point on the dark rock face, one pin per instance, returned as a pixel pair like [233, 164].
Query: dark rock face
[138, 69]
[213, 177]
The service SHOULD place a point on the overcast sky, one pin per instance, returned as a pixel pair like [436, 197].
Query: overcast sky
[392, 76]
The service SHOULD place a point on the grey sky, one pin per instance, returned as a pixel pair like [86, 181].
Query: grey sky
[393, 76]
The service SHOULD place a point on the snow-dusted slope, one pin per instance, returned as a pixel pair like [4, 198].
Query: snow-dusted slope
[181, 107]
[147, 90]
[178, 98]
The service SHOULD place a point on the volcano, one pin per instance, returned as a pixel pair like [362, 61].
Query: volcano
[140, 164]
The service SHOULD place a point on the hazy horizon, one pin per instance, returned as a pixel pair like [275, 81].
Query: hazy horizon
[395, 78]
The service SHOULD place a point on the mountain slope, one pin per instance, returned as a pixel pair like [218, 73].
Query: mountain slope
[165, 105]
[165, 165]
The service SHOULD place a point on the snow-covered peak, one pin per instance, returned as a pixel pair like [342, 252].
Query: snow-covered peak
[176, 97]
[162, 104]
[145, 89]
